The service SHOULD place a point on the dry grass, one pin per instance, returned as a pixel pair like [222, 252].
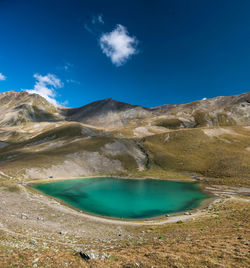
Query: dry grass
[171, 123]
[9, 186]
[217, 241]
[157, 172]
[221, 239]
[223, 157]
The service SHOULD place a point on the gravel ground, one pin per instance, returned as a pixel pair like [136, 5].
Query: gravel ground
[37, 223]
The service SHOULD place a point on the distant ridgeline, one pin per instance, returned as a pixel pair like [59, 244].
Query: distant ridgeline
[21, 107]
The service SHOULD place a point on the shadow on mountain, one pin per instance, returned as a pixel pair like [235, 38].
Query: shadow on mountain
[98, 108]
[31, 113]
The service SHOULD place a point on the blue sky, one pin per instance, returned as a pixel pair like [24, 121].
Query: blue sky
[142, 52]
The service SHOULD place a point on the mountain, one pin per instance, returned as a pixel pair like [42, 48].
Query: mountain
[107, 113]
[21, 107]
[219, 111]
[209, 137]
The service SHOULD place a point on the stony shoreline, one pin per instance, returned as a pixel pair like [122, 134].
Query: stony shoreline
[31, 216]
[147, 221]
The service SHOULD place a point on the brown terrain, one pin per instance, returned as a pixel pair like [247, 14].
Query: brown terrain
[206, 141]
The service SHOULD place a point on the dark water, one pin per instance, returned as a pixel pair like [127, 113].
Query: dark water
[126, 198]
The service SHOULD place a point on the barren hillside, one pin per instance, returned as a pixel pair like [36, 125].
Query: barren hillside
[208, 137]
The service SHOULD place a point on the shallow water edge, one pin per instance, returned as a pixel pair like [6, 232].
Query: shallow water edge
[147, 220]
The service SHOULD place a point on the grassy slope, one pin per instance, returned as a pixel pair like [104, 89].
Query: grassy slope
[224, 157]
[34, 153]
[221, 158]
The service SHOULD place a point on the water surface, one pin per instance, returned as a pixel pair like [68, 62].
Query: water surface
[126, 198]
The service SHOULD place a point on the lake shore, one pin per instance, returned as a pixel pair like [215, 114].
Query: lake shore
[40, 222]
[178, 216]
[103, 176]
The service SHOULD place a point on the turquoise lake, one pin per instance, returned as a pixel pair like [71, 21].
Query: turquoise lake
[126, 198]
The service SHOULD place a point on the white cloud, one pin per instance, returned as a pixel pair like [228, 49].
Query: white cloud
[118, 45]
[45, 86]
[204, 98]
[2, 77]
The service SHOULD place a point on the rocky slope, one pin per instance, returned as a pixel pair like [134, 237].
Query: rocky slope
[21, 107]
[107, 113]
[207, 137]
[219, 111]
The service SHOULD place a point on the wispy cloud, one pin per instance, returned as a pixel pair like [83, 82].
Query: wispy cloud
[2, 77]
[67, 66]
[89, 29]
[73, 81]
[97, 19]
[45, 86]
[92, 25]
[118, 45]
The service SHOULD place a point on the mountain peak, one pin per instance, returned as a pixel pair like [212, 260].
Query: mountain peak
[20, 107]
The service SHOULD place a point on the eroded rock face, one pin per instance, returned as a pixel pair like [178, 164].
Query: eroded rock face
[77, 164]
[126, 147]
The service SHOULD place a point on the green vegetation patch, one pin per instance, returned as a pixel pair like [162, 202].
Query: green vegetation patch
[200, 118]
[172, 123]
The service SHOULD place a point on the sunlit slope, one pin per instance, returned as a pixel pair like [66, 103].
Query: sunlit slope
[222, 153]
[218, 111]
[17, 108]
[71, 149]
[207, 137]
[112, 114]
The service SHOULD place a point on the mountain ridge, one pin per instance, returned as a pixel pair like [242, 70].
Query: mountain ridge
[108, 113]
[210, 138]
